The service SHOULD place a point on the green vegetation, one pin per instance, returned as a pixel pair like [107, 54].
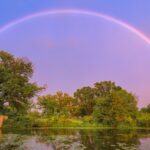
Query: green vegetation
[16, 90]
[116, 108]
[103, 105]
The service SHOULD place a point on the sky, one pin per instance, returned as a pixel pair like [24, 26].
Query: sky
[72, 50]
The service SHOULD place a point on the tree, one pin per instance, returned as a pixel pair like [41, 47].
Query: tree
[146, 109]
[144, 117]
[16, 90]
[60, 103]
[48, 105]
[66, 103]
[119, 106]
[84, 99]
[104, 88]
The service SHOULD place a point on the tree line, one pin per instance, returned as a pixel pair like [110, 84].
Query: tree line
[103, 103]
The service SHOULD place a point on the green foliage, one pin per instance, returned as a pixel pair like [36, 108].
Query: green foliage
[84, 100]
[146, 109]
[104, 88]
[103, 104]
[58, 104]
[143, 119]
[48, 105]
[16, 90]
[20, 121]
[115, 108]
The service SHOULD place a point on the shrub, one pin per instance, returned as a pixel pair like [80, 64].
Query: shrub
[143, 120]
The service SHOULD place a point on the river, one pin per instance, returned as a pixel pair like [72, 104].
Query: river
[75, 139]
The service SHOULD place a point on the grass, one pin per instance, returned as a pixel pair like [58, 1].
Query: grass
[61, 122]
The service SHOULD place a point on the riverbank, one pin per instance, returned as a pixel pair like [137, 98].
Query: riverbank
[62, 123]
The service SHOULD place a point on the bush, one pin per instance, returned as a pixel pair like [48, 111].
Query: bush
[18, 122]
[143, 120]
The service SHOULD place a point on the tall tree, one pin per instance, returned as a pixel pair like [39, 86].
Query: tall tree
[16, 90]
[115, 108]
[104, 88]
[84, 99]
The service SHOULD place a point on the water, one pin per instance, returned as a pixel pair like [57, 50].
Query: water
[75, 139]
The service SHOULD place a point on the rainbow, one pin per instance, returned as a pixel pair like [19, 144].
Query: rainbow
[80, 12]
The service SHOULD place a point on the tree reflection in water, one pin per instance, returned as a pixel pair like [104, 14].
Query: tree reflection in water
[75, 139]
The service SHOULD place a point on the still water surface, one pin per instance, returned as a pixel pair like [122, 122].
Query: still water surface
[75, 139]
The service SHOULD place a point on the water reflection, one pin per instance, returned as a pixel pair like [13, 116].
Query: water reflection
[73, 139]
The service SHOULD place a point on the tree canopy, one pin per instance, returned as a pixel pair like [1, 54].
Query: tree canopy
[86, 96]
[117, 107]
[58, 104]
[84, 100]
[146, 109]
[16, 90]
